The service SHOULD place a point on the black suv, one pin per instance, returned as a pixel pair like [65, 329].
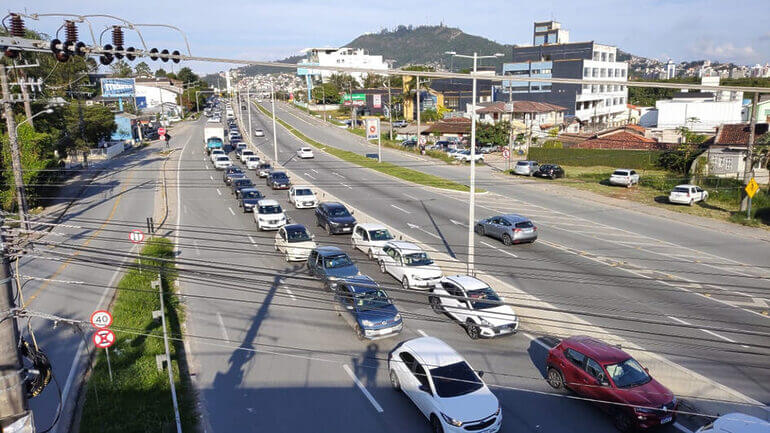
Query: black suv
[238, 184]
[278, 180]
[551, 171]
[232, 172]
[334, 217]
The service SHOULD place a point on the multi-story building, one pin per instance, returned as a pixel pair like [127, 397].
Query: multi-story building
[554, 56]
[670, 69]
[343, 57]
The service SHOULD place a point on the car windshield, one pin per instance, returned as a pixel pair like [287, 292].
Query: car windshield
[417, 259]
[235, 170]
[522, 163]
[279, 175]
[678, 189]
[371, 300]
[454, 380]
[620, 173]
[253, 158]
[306, 149]
[222, 158]
[524, 225]
[303, 192]
[627, 374]
[251, 194]
[247, 152]
[265, 166]
[338, 261]
[270, 209]
[243, 182]
[479, 298]
[380, 235]
[297, 235]
[338, 212]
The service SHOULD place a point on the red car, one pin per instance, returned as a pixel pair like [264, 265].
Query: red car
[599, 371]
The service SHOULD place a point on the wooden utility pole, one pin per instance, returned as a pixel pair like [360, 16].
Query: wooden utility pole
[21, 198]
[748, 168]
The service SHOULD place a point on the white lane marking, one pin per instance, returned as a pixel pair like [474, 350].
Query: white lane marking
[211, 177]
[231, 211]
[676, 319]
[197, 251]
[410, 196]
[499, 249]
[337, 174]
[682, 428]
[219, 192]
[712, 333]
[459, 223]
[421, 332]
[222, 327]
[362, 388]
[415, 226]
[402, 210]
[309, 175]
[253, 241]
[314, 170]
[535, 340]
[288, 290]
[345, 185]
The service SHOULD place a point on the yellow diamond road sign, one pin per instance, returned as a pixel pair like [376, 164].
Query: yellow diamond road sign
[752, 187]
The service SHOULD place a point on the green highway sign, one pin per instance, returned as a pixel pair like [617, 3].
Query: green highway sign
[358, 99]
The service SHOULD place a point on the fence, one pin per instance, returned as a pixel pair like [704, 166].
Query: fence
[636, 159]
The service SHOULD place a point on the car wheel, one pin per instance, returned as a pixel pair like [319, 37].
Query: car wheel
[623, 422]
[507, 240]
[405, 283]
[328, 229]
[691, 202]
[480, 230]
[371, 255]
[286, 257]
[435, 304]
[394, 380]
[555, 378]
[382, 266]
[435, 425]
[474, 332]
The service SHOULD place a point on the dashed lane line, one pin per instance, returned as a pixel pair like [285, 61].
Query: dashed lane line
[222, 327]
[402, 210]
[231, 210]
[219, 192]
[499, 249]
[362, 388]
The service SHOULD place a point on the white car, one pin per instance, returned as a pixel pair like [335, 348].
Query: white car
[264, 168]
[305, 152]
[234, 133]
[302, 197]
[409, 264]
[370, 238]
[252, 162]
[624, 177]
[294, 242]
[222, 162]
[259, 133]
[736, 422]
[687, 194]
[444, 387]
[465, 156]
[474, 304]
[245, 154]
[216, 153]
[268, 215]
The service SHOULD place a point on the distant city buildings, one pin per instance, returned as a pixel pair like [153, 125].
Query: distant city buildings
[340, 57]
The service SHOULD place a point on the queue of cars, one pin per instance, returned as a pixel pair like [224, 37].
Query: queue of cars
[439, 381]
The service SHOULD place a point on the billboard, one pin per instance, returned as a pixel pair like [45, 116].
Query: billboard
[356, 99]
[141, 102]
[372, 128]
[377, 101]
[117, 87]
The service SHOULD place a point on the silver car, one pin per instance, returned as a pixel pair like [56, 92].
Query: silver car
[525, 168]
[511, 228]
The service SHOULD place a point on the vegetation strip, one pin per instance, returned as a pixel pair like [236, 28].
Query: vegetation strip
[138, 388]
[383, 167]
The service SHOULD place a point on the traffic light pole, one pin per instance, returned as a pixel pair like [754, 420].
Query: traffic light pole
[18, 179]
[748, 167]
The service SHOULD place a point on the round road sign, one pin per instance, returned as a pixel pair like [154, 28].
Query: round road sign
[161, 131]
[162, 138]
[372, 129]
[104, 338]
[506, 153]
[136, 236]
[101, 319]
[423, 140]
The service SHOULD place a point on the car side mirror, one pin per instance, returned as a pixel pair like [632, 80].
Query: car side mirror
[480, 373]
[424, 388]
[647, 370]
[352, 212]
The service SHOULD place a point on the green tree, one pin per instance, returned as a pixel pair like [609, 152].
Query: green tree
[344, 82]
[98, 123]
[36, 150]
[326, 93]
[142, 69]
[160, 72]
[494, 133]
[121, 69]
[186, 75]
[372, 81]
[430, 115]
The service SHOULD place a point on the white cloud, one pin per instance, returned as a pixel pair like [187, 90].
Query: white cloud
[725, 52]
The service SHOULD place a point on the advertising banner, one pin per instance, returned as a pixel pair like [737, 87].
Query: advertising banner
[372, 128]
[117, 87]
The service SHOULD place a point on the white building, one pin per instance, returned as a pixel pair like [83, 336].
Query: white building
[342, 57]
[152, 92]
[670, 69]
[700, 112]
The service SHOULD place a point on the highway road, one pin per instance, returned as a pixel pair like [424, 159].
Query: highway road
[264, 341]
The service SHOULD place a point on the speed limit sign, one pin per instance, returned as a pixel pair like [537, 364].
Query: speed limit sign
[423, 140]
[101, 319]
[506, 154]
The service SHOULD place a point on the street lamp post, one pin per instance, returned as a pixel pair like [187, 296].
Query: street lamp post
[248, 110]
[472, 192]
[275, 136]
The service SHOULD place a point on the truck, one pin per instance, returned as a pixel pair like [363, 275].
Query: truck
[213, 137]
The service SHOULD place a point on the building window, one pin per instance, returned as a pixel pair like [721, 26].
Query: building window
[611, 57]
[603, 73]
[594, 88]
[604, 57]
[586, 88]
[609, 73]
[622, 72]
[595, 72]
[586, 72]
[596, 56]
[539, 40]
[546, 87]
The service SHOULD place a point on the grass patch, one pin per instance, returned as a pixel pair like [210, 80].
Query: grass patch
[636, 159]
[407, 174]
[396, 144]
[139, 399]
[654, 186]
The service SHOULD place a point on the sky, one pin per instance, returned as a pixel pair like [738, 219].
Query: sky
[271, 30]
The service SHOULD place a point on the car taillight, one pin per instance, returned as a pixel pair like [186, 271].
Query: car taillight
[516, 230]
[534, 227]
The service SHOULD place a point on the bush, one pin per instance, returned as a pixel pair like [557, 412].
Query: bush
[553, 144]
[636, 159]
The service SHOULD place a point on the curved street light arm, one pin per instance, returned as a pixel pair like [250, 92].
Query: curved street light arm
[189, 53]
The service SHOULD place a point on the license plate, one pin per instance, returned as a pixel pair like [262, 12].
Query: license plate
[527, 230]
[666, 419]
[346, 229]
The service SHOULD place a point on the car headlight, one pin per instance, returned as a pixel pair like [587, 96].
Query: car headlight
[397, 317]
[451, 420]
[484, 322]
[334, 223]
[499, 408]
[367, 322]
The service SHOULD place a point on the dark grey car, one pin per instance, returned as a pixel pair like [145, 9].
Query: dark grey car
[511, 228]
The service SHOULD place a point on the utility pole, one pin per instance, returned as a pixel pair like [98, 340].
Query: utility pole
[510, 129]
[18, 179]
[417, 98]
[248, 110]
[275, 135]
[27, 104]
[390, 110]
[748, 168]
[13, 399]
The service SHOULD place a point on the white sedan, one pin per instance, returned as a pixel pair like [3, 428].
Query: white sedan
[302, 197]
[475, 305]
[370, 238]
[687, 194]
[444, 387]
[410, 265]
[252, 162]
[268, 215]
[216, 153]
[222, 162]
[305, 152]
[259, 133]
[294, 242]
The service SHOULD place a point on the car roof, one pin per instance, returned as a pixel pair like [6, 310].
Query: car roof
[267, 202]
[291, 227]
[328, 250]
[303, 187]
[432, 352]
[333, 204]
[371, 226]
[596, 349]
[622, 169]
[467, 282]
[405, 246]
[740, 422]
[245, 190]
[514, 217]
[362, 283]
[686, 185]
